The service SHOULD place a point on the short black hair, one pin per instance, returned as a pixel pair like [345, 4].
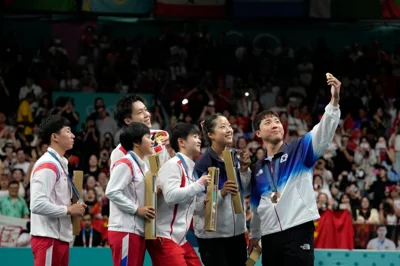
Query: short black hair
[13, 182]
[18, 169]
[87, 212]
[123, 108]
[20, 149]
[52, 125]
[182, 131]
[133, 133]
[208, 126]
[261, 116]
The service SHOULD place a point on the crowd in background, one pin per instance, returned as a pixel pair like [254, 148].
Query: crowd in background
[191, 75]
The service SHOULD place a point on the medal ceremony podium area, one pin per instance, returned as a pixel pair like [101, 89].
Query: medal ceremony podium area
[102, 256]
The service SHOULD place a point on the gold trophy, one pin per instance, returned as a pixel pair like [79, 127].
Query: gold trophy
[76, 221]
[150, 231]
[254, 256]
[231, 174]
[210, 224]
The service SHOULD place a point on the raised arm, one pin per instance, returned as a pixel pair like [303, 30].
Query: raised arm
[320, 137]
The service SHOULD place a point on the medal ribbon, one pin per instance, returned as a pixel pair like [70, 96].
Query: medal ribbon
[136, 161]
[90, 237]
[74, 190]
[185, 167]
[271, 174]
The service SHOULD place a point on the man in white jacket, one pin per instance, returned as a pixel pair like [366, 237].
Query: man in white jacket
[132, 108]
[282, 197]
[51, 227]
[179, 184]
[126, 192]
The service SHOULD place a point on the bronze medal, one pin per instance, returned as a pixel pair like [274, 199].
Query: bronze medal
[275, 196]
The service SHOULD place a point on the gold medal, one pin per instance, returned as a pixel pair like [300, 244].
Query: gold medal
[158, 137]
[275, 196]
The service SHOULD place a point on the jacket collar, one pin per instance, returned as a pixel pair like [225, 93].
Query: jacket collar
[278, 154]
[215, 156]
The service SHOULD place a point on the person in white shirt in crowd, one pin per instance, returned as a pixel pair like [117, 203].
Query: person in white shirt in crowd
[381, 242]
[132, 108]
[126, 193]
[180, 185]
[50, 204]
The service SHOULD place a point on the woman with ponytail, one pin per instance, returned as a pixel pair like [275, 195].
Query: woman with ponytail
[227, 245]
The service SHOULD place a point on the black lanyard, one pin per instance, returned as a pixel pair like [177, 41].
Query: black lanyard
[136, 161]
[74, 190]
[195, 175]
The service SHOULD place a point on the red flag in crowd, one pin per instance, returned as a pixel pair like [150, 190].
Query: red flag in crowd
[391, 9]
[325, 235]
[344, 229]
[334, 230]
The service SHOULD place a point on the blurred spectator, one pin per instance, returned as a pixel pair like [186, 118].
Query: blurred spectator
[13, 205]
[21, 162]
[381, 242]
[366, 214]
[378, 186]
[4, 186]
[91, 200]
[30, 89]
[69, 83]
[93, 166]
[323, 202]
[88, 237]
[105, 123]
[18, 175]
[24, 240]
[318, 184]
[68, 111]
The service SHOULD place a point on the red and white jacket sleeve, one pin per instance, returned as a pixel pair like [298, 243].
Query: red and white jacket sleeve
[170, 180]
[121, 176]
[43, 180]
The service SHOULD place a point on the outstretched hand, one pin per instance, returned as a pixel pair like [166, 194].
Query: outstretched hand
[335, 88]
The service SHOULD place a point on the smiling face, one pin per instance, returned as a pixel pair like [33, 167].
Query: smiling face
[223, 132]
[139, 114]
[91, 182]
[90, 195]
[271, 130]
[146, 146]
[192, 144]
[93, 160]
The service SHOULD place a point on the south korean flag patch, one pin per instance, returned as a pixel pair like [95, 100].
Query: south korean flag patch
[284, 158]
